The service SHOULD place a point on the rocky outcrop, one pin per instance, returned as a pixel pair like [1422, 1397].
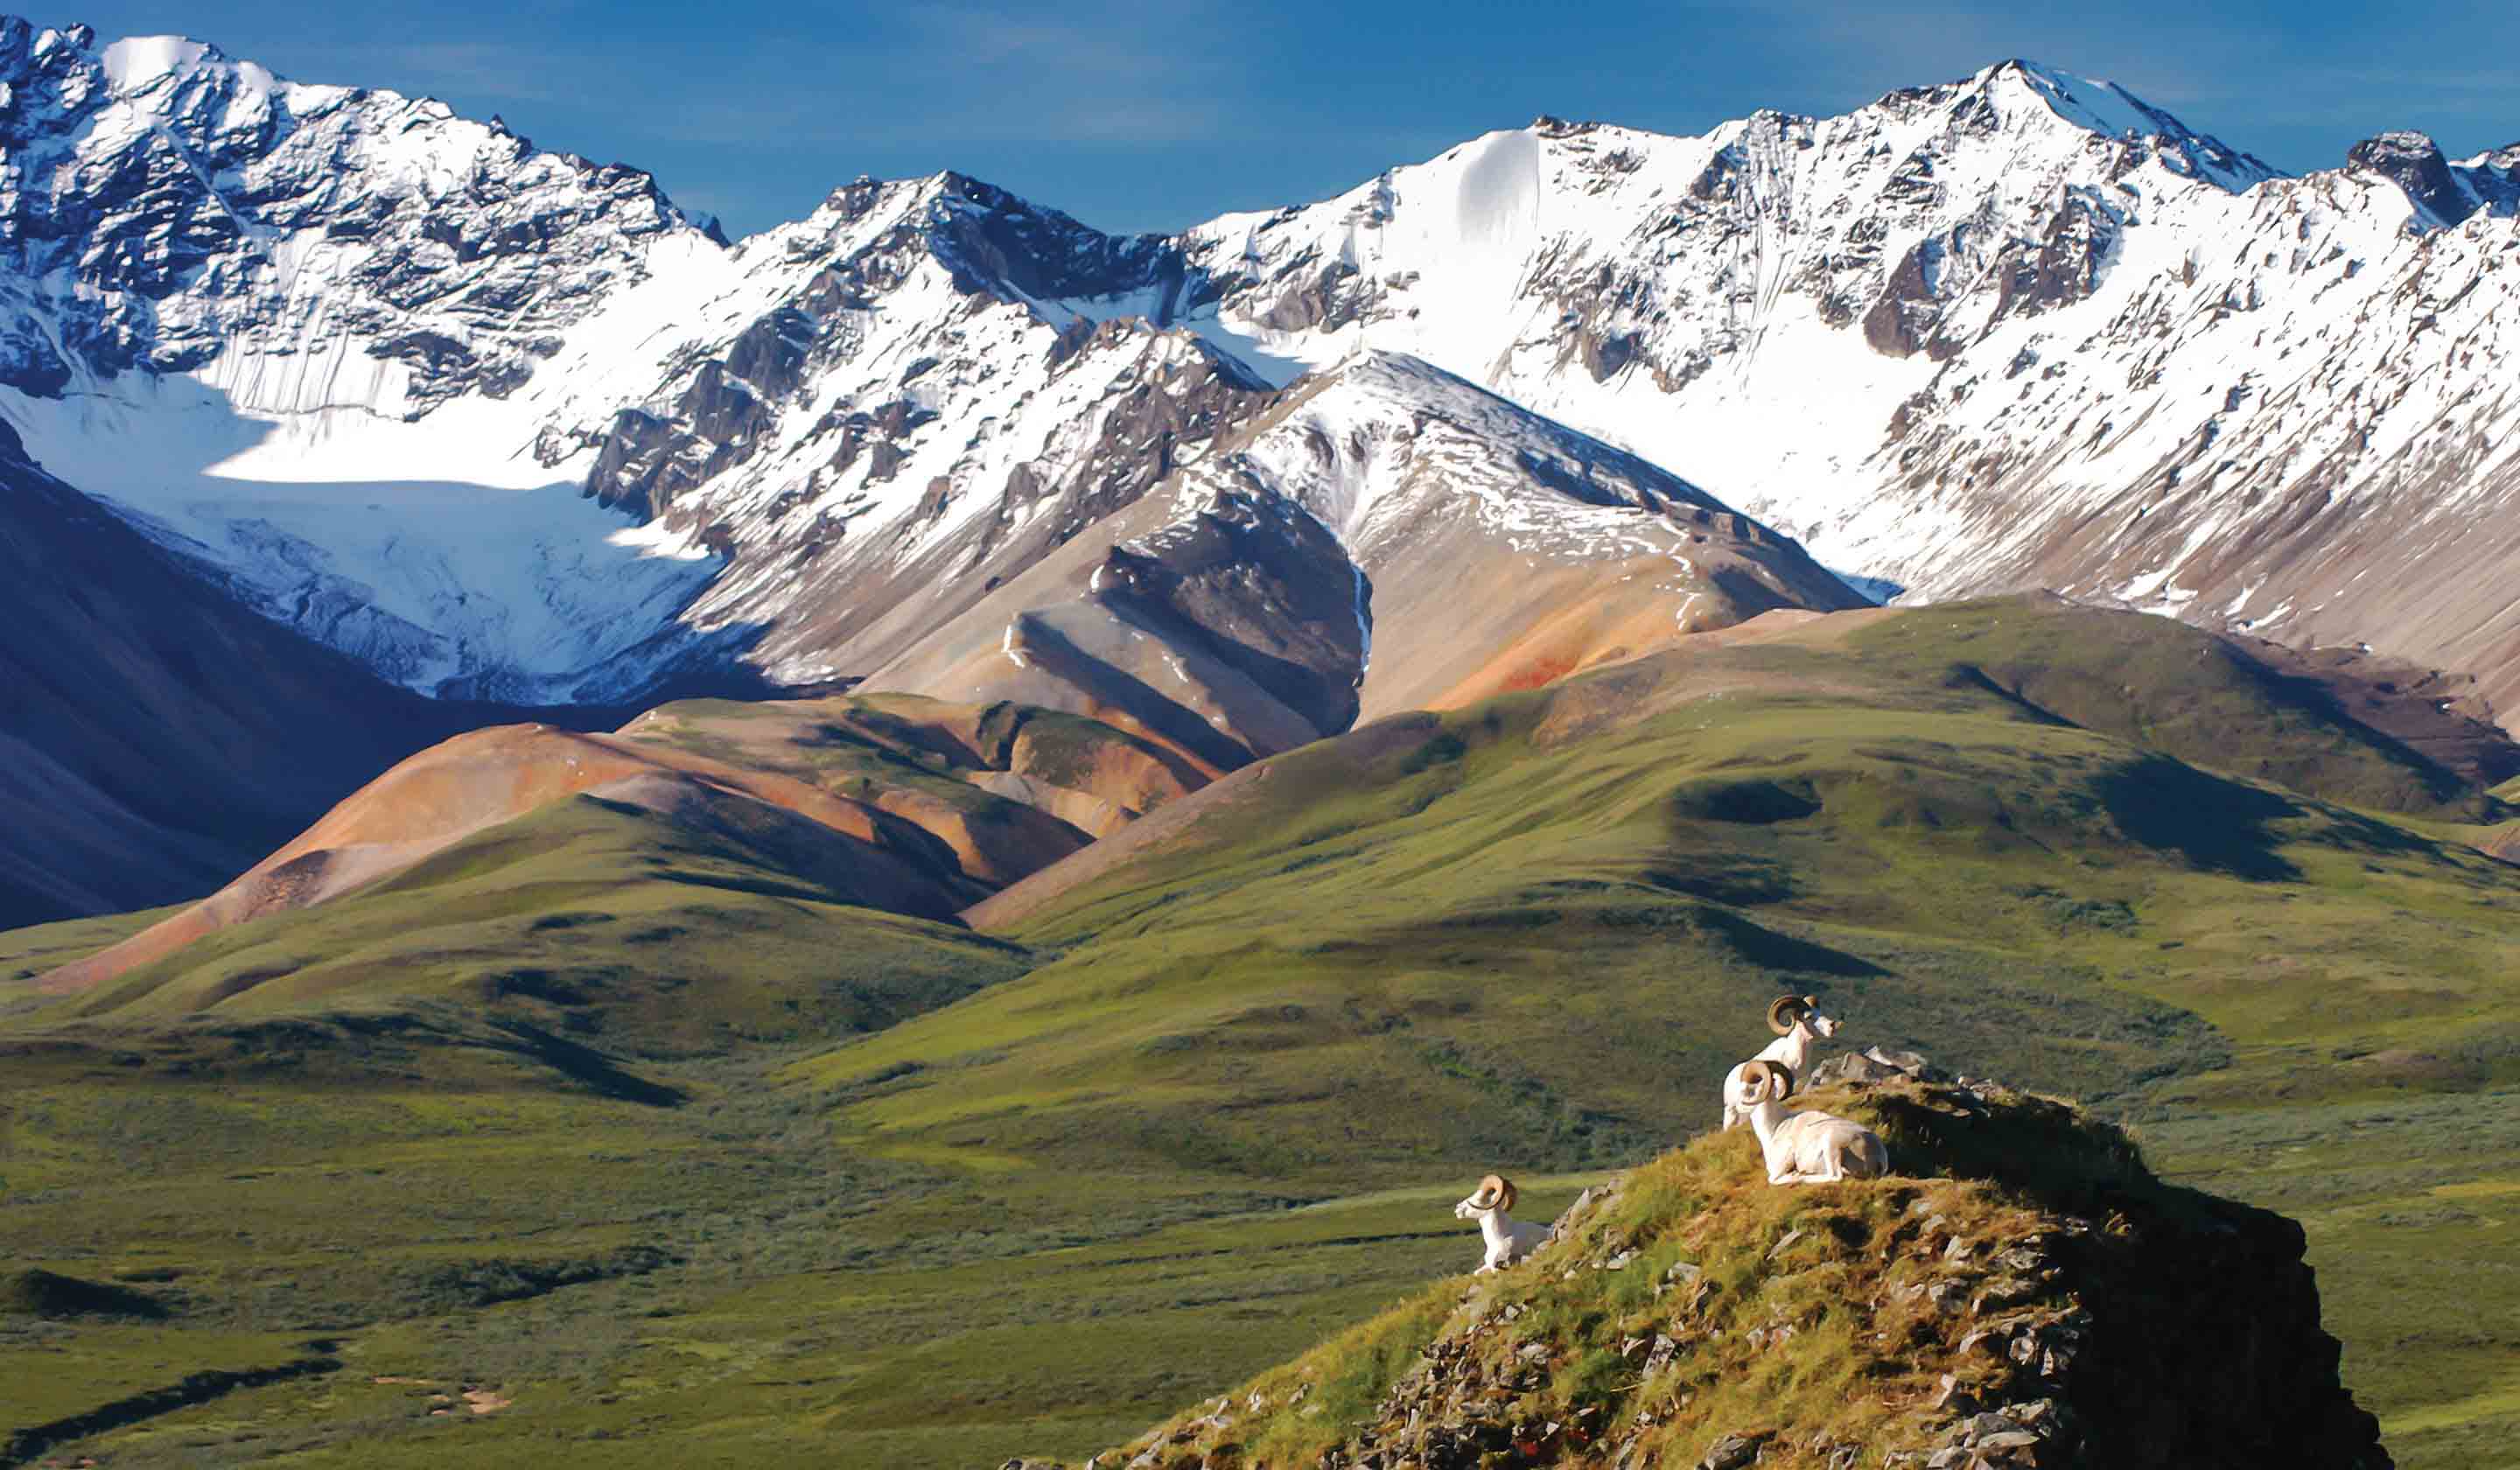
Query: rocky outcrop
[1265, 586]
[2414, 162]
[2021, 1293]
[1010, 787]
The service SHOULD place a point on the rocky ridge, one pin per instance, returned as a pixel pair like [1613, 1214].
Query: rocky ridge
[298, 248]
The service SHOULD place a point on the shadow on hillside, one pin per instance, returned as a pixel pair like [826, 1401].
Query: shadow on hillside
[47, 1294]
[1769, 950]
[2216, 824]
[584, 1065]
[1060, 657]
[207, 624]
[1968, 676]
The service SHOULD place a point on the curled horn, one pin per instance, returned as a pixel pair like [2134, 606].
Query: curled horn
[1763, 1076]
[1497, 1191]
[1787, 1011]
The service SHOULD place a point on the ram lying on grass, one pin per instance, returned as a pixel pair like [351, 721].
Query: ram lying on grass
[1810, 1147]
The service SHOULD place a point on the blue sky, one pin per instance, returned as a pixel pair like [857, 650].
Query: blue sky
[1149, 116]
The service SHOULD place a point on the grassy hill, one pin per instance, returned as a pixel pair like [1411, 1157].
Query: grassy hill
[585, 925]
[2375, 739]
[2022, 1288]
[1504, 933]
[819, 1183]
[896, 804]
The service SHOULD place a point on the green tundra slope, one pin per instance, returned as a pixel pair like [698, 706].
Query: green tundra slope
[1511, 930]
[590, 920]
[1211, 1084]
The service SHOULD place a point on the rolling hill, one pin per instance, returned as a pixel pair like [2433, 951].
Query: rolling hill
[1192, 1098]
[1443, 921]
[894, 805]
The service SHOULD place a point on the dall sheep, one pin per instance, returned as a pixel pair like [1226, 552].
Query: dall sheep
[1508, 1241]
[1806, 1147]
[1800, 1028]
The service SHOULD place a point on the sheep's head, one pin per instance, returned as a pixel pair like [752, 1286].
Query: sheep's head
[1787, 1011]
[1765, 1080]
[1495, 1192]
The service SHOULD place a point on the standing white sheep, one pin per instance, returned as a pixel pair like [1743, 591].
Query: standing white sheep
[1508, 1241]
[1800, 1028]
[1806, 1147]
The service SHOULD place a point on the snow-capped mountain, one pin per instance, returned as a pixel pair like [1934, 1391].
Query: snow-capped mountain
[158, 737]
[1243, 605]
[281, 325]
[507, 422]
[934, 409]
[375, 354]
[2023, 330]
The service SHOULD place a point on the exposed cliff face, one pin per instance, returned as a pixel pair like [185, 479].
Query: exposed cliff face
[2021, 1293]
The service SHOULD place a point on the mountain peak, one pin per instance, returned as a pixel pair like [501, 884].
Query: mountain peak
[2443, 197]
[992, 239]
[2020, 91]
[135, 62]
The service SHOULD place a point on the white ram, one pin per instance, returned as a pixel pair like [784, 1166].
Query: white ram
[1800, 1028]
[1508, 1241]
[1806, 1147]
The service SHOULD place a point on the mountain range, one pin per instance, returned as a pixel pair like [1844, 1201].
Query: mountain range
[370, 360]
